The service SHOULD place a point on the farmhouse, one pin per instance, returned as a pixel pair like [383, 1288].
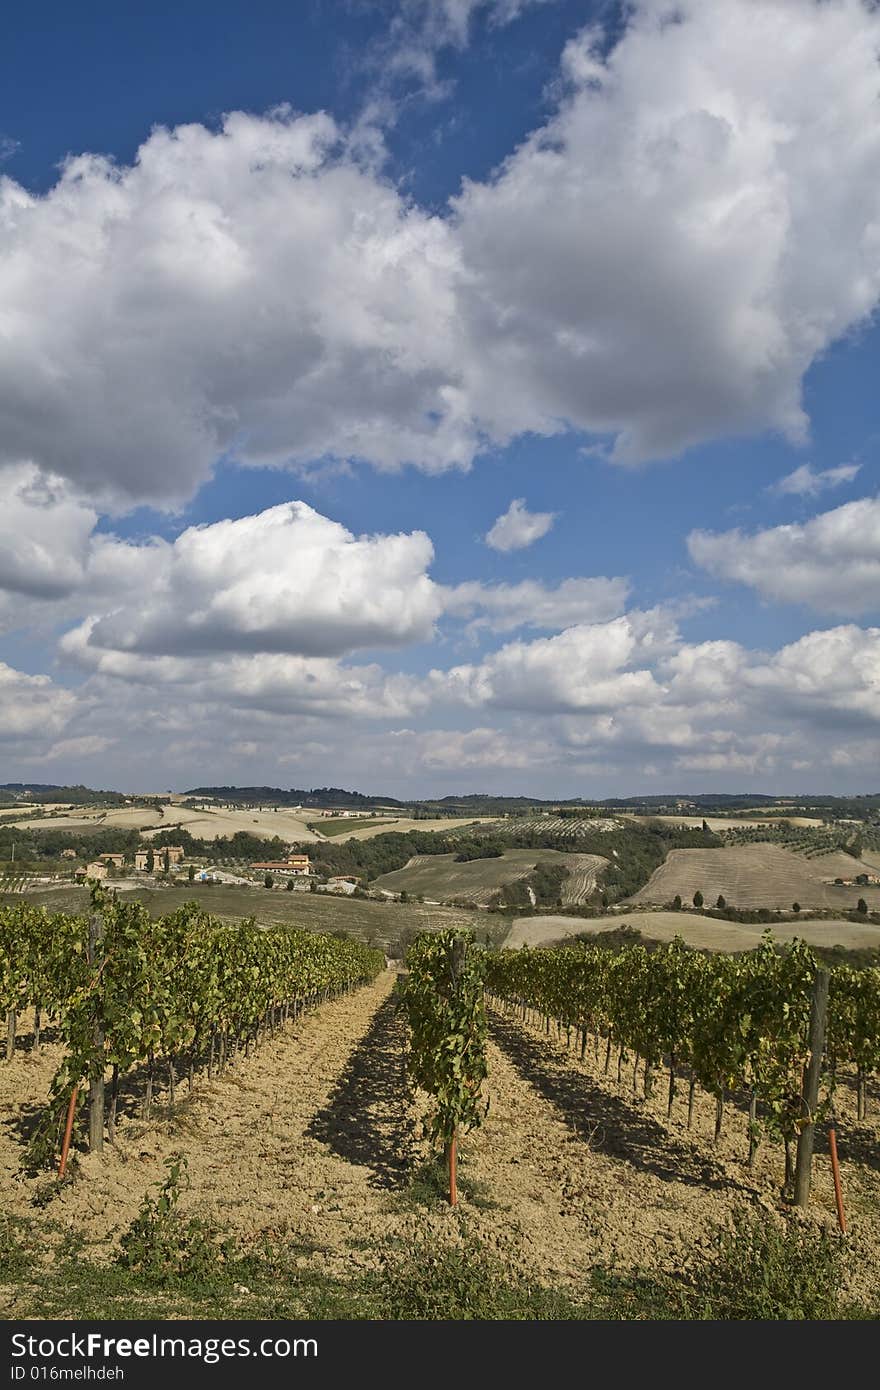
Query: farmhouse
[174, 852]
[94, 870]
[68, 854]
[293, 864]
[339, 884]
[141, 858]
[117, 860]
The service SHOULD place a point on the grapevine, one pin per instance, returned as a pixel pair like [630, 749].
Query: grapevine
[738, 1023]
[180, 991]
[443, 999]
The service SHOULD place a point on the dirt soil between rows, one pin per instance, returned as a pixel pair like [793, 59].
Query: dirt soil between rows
[314, 1141]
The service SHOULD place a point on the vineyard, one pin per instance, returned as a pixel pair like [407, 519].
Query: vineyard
[383, 925]
[566, 828]
[734, 1024]
[743, 1025]
[314, 1135]
[810, 841]
[179, 993]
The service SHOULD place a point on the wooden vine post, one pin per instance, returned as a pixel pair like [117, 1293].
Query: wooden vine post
[813, 1072]
[96, 1067]
[68, 1132]
[456, 970]
[835, 1173]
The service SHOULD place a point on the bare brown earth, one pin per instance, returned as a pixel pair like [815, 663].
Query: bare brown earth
[705, 933]
[314, 1140]
[758, 875]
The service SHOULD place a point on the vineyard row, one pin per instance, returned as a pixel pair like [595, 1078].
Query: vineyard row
[129, 991]
[730, 1024]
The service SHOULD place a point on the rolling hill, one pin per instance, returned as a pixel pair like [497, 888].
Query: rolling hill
[758, 875]
[440, 877]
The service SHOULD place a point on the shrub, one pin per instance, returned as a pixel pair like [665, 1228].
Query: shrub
[16, 1258]
[764, 1271]
[163, 1247]
[430, 1282]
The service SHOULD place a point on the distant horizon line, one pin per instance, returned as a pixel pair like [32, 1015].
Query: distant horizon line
[252, 788]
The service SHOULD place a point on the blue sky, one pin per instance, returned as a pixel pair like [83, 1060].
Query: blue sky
[441, 395]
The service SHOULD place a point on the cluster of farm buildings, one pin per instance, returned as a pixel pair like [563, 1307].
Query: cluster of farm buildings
[167, 857]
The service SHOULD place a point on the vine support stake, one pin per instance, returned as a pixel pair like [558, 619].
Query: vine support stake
[835, 1172]
[452, 1157]
[68, 1131]
[459, 950]
[804, 1161]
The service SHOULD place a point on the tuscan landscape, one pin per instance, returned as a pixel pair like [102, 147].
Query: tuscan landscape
[439, 680]
[295, 1137]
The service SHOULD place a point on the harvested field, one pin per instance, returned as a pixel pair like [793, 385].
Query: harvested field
[759, 875]
[704, 933]
[208, 824]
[332, 826]
[74, 822]
[406, 823]
[213, 823]
[438, 876]
[98, 817]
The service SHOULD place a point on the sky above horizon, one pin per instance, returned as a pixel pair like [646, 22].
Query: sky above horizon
[441, 396]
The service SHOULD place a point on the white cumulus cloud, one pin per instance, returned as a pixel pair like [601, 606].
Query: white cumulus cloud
[831, 563]
[45, 533]
[518, 527]
[660, 263]
[807, 482]
[502, 607]
[32, 705]
[583, 668]
[285, 580]
[663, 259]
[251, 290]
